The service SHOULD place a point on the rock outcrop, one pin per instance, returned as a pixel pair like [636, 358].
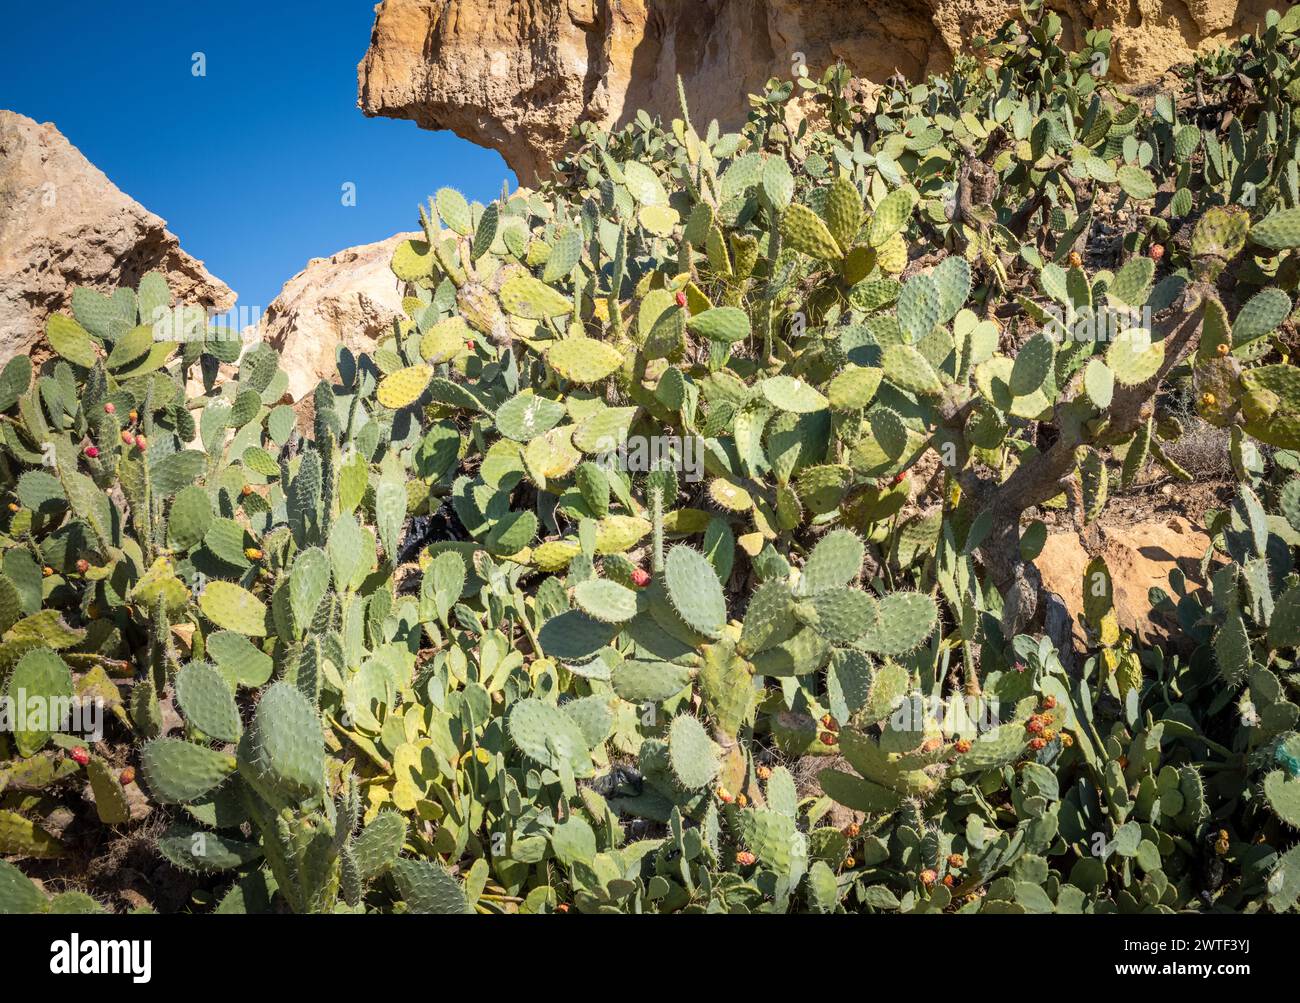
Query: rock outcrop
[516, 76]
[350, 298]
[64, 224]
[1139, 557]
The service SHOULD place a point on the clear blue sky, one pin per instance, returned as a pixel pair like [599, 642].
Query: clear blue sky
[247, 164]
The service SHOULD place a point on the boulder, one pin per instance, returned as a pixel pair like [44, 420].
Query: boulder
[349, 298]
[516, 77]
[1139, 557]
[64, 224]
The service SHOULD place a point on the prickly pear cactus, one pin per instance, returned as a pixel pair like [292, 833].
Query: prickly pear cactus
[675, 550]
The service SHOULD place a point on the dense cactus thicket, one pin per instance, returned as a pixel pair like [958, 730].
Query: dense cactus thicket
[676, 553]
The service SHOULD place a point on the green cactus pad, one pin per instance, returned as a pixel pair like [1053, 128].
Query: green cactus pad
[1278, 231]
[803, 652]
[891, 215]
[692, 754]
[773, 838]
[41, 678]
[888, 769]
[854, 388]
[285, 747]
[1220, 233]
[573, 636]
[404, 387]
[549, 737]
[179, 772]
[785, 393]
[428, 889]
[843, 211]
[639, 681]
[1133, 357]
[821, 488]
[993, 749]
[527, 415]
[724, 324]
[1099, 383]
[18, 895]
[1094, 481]
[1283, 796]
[833, 563]
[202, 852]
[843, 615]
[454, 210]
[695, 591]
[207, 701]
[309, 580]
[605, 600]
[70, 340]
[905, 367]
[525, 296]
[583, 360]
[111, 802]
[512, 533]
[379, 844]
[1032, 364]
[919, 306]
[803, 230]
[240, 661]
[233, 608]
[412, 260]
[769, 618]
[858, 794]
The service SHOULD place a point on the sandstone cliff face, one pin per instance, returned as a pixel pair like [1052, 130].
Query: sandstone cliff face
[516, 75]
[64, 224]
[350, 298]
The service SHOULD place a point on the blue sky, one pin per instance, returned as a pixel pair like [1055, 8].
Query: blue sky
[247, 164]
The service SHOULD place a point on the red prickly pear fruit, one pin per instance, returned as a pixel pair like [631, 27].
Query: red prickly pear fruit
[127, 438]
[110, 408]
[141, 442]
[92, 451]
[80, 755]
[640, 577]
[127, 776]
[681, 299]
[83, 565]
